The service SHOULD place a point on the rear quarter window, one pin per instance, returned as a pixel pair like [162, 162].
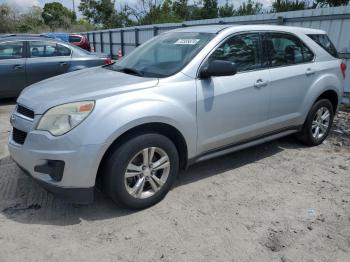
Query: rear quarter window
[324, 41]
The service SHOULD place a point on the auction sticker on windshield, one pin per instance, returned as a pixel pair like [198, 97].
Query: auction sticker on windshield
[187, 41]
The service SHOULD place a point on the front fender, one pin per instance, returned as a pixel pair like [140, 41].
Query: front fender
[111, 119]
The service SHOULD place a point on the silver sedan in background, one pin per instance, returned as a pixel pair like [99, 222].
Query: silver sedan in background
[25, 60]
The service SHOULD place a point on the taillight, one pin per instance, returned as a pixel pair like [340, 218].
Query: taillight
[343, 69]
[108, 61]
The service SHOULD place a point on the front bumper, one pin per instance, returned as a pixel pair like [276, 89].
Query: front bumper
[72, 195]
[77, 181]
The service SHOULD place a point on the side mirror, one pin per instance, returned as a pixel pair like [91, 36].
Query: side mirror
[218, 68]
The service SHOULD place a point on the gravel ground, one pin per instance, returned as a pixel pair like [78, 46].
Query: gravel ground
[279, 201]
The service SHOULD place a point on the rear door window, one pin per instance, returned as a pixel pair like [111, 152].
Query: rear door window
[324, 41]
[47, 49]
[11, 50]
[285, 49]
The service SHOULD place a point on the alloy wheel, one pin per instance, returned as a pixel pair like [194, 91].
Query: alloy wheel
[147, 172]
[320, 123]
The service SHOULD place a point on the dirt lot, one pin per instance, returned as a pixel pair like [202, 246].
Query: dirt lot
[279, 201]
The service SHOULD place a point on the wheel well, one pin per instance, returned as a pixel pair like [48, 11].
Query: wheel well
[331, 96]
[160, 128]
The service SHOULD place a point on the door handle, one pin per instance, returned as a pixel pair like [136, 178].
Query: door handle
[260, 83]
[63, 63]
[309, 72]
[17, 67]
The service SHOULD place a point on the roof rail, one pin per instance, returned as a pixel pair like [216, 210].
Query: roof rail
[7, 35]
[28, 35]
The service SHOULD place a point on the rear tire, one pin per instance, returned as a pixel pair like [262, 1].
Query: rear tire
[318, 123]
[140, 171]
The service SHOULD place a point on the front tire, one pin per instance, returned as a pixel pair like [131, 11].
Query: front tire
[318, 123]
[140, 171]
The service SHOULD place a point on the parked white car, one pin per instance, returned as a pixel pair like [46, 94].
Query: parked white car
[184, 96]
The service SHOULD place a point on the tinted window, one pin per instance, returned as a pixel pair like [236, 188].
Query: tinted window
[285, 49]
[11, 50]
[325, 43]
[47, 49]
[62, 50]
[243, 50]
[74, 39]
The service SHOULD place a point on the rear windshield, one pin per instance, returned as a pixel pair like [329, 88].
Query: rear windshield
[324, 41]
[74, 39]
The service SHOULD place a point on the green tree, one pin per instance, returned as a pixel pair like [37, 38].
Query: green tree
[88, 8]
[210, 9]
[181, 9]
[331, 3]
[123, 17]
[106, 13]
[195, 10]
[103, 13]
[288, 5]
[161, 13]
[31, 21]
[168, 14]
[249, 8]
[100, 12]
[7, 19]
[226, 10]
[152, 16]
[82, 25]
[55, 15]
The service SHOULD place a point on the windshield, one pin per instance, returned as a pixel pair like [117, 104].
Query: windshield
[164, 55]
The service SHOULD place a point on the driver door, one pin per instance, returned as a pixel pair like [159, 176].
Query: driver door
[234, 109]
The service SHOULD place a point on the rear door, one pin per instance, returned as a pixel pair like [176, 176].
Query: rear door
[292, 73]
[12, 68]
[46, 59]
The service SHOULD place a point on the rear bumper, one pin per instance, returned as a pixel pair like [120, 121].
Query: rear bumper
[69, 194]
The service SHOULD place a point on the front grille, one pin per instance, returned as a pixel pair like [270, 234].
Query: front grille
[19, 136]
[25, 111]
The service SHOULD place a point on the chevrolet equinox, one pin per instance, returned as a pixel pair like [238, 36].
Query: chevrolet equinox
[185, 96]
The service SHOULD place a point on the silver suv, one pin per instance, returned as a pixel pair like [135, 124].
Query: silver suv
[185, 96]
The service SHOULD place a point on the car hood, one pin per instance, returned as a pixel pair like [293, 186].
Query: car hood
[88, 84]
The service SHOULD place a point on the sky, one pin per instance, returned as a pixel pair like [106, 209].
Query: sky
[23, 4]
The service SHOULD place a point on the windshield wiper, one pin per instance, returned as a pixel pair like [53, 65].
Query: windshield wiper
[133, 71]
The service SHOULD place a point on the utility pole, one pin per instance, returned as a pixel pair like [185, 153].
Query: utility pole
[73, 6]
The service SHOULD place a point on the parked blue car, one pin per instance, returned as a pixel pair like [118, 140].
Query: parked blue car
[59, 36]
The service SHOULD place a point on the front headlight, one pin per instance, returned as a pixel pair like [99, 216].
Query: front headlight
[63, 118]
